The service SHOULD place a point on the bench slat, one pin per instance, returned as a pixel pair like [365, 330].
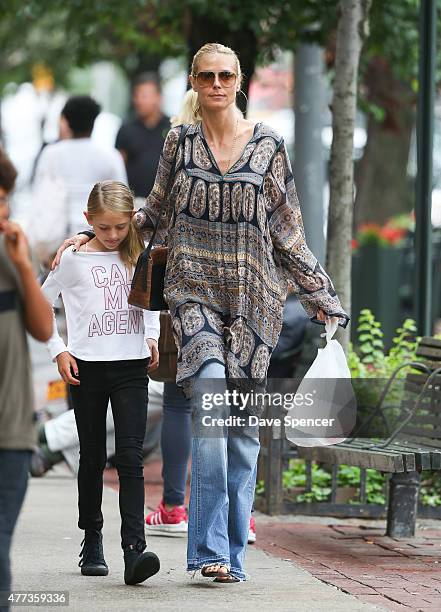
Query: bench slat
[429, 352]
[415, 457]
[421, 441]
[434, 445]
[346, 453]
[426, 417]
[430, 341]
[421, 432]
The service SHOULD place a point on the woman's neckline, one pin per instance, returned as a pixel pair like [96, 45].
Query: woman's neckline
[213, 158]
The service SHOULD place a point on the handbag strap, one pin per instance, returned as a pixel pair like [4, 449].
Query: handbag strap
[171, 176]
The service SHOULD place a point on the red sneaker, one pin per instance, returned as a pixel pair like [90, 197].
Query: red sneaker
[167, 522]
[252, 531]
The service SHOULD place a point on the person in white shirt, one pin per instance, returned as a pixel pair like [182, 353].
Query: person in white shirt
[110, 346]
[66, 172]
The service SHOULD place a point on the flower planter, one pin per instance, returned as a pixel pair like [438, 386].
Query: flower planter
[376, 285]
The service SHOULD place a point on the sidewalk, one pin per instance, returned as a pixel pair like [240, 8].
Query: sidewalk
[351, 554]
[45, 556]
[395, 574]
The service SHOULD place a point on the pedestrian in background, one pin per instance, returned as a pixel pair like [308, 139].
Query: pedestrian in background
[58, 437]
[65, 173]
[171, 517]
[140, 139]
[23, 308]
[110, 348]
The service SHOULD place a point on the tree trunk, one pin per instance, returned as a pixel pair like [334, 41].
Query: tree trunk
[202, 29]
[383, 189]
[352, 29]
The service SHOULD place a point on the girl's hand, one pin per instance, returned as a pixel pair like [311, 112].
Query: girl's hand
[154, 354]
[66, 366]
[76, 240]
[16, 244]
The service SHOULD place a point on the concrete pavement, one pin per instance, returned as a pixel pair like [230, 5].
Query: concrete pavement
[45, 556]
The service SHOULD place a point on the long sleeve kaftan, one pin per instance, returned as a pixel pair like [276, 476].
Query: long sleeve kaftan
[236, 241]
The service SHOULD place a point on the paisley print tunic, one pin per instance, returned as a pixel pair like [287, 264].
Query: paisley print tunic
[236, 241]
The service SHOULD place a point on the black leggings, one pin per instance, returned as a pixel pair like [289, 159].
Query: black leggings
[125, 384]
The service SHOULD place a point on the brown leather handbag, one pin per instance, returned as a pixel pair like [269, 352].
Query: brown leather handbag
[168, 353]
[147, 289]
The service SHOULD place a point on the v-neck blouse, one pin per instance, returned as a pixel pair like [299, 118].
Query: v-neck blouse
[213, 158]
[236, 245]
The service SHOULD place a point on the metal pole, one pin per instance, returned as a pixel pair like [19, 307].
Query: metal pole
[309, 164]
[425, 126]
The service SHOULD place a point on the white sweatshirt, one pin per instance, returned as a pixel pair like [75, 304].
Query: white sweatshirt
[101, 325]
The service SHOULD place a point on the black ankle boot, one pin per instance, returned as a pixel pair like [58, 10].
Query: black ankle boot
[139, 565]
[92, 561]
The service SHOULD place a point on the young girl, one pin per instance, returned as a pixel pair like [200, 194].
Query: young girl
[110, 346]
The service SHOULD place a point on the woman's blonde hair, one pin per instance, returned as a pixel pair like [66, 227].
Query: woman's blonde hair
[190, 110]
[117, 197]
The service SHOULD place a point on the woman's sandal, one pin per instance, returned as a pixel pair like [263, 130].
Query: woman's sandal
[212, 574]
[226, 579]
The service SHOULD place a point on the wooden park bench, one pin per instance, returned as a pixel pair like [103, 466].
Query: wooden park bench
[408, 447]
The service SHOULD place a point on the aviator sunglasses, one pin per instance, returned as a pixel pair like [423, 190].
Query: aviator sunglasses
[206, 78]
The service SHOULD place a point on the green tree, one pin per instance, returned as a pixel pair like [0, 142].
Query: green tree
[389, 84]
[136, 34]
[351, 34]
[76, 33]
[59, 33]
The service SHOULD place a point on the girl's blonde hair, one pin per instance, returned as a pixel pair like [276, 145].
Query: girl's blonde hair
[117, 197]
[190, 110]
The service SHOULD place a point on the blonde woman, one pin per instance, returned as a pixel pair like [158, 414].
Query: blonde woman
[109, 350]
[236, 240]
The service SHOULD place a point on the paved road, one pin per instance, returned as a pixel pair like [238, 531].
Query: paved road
[45, 555]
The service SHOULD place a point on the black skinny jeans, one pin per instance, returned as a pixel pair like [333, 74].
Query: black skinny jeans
[125, 383]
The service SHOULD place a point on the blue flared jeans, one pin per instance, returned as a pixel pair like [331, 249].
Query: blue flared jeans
[223, 480]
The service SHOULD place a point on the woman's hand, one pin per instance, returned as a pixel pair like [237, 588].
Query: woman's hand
[68, 366]
[322, 316]
[154, 354]
[16, 244]
[76, 241]
[138, 220]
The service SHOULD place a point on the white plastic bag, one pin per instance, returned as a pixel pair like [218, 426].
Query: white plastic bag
[328, 381]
